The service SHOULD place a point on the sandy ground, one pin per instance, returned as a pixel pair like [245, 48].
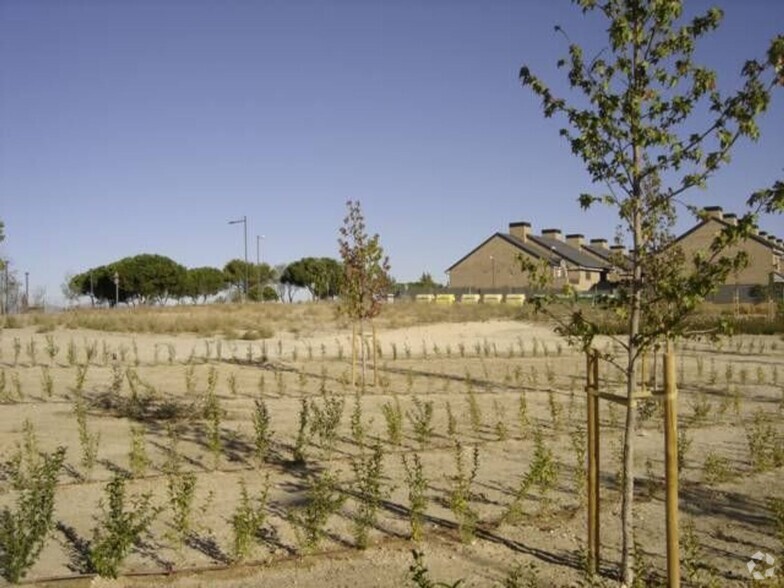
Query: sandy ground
[504, 361]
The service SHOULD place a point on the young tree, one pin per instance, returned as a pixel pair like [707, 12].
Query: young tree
[365, 275]
[634, 128]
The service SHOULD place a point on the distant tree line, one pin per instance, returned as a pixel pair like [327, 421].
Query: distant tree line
[156, 279]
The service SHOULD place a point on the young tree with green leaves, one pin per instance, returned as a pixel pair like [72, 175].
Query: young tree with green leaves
[636, 126]
[365, 280]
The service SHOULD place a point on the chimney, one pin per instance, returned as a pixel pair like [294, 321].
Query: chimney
[731, 219]
[520, 230]
[552, 234]
[755, 230]
[763, 234]
[575, 240]
[618, 248]
[599, 243]
[713, 212]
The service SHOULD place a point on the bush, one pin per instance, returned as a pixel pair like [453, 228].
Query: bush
[23, 532]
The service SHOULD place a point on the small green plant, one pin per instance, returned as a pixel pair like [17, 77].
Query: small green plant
[181, 490]
[579, 446]
[460, 494]
[52, 349]
[322, 501]
[701, 408]
[24, 530]
[190, 380]
[138, 459]
[302, 434]
[47, 385]
[119, 528]
[420, 576]
[451, 421]
[358, 432]
[70, 353]
[684, 445]
[556, 409]
[262, 431]
[474, 412]
[691, 552]
[716, 469]
[501, 431]
[248, 519]
[417, 499]
[17, 350]
[766, 448]
[393, 417]
[213, 413]
[88, 441]
[542, 473]
[32, 351]
[368, 471]
[324, 422]
[522, 416]
[232, 381]
[421, 419]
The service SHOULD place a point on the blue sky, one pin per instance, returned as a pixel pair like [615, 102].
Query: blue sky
[144, 126]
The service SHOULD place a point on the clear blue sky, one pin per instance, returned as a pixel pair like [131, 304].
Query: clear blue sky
[144, 126]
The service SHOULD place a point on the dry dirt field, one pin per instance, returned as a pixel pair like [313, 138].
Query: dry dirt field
[194, 397]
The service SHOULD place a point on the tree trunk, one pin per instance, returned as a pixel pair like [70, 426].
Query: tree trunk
[375, 355]
[362, 352]
[353, 353]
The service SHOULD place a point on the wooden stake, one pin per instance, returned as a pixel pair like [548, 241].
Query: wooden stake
[592, 389]
[671, 465]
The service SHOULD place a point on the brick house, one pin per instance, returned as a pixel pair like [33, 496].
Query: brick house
[765, 257]
[494, 266]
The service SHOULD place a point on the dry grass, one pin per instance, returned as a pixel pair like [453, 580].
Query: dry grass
[251, 321]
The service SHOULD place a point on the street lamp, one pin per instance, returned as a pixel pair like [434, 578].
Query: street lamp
[244, 221]
[116, 279]
[258, 264]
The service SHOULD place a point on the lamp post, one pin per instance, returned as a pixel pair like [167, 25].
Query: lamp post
[116, 279]
[258, 265]
[244, 221]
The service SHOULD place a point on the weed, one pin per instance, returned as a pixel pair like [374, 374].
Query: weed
[368, 470]
[17, 350]
[460, 493]
[248, 519]
[474, 412]
[579, 446]
[417, 499]
[232, 381]
[393, 416]
[556, 408]
[322, 501]
[181, 490]
[32, 351]
[70, 353]
[701, 408]
[24, 530]
[120, 526]
[190, 380]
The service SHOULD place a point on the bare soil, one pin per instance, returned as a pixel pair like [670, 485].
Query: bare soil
[500, 360]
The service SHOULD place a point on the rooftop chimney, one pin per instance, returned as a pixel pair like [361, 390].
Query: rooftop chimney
[755, 230]
[731, 219]
[763, 234]
[575, 240]
[521, 230]
[713, 212]
[618, 248]
[553, 234]
[600, 243]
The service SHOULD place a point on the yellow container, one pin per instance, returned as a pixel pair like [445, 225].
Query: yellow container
[515, 299]
[425, 298]
[445, 299]
[493, 298]
[470, 299]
